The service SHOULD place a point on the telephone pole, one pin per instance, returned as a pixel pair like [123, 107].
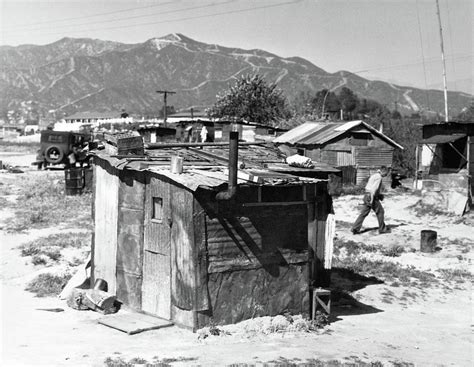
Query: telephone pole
[444, 65]
[165, 95]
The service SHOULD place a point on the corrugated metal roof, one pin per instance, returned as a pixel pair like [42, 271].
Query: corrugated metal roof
[294, 135]
[311, 133]
[442, 139]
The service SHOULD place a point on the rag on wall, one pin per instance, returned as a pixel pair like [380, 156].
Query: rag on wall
[329, 240]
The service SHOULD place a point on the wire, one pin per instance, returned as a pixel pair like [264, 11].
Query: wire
[49, 22]
[139, 16]
[451, 43]
[182, 19]
[431, 60]
[422, 55]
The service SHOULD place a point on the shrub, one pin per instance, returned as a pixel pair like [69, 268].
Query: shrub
[39, 259]
[48, 284]
[42, 203]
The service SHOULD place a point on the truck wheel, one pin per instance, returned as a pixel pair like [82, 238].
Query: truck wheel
[54, 154]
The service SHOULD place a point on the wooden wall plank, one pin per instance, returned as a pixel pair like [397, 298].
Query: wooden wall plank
[105, 232]
[130, 238]
[156, 286]
[182, 242]
[200, 258]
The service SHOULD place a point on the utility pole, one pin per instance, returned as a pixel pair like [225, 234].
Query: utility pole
[444, 65]
[165, 95]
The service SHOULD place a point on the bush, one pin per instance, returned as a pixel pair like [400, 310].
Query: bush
[49, 247]
[42, 203]
[47, 284]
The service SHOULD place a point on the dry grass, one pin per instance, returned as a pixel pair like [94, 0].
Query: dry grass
[47, 284]
[47, 250]
[137, 361]
[42, 203]
[353, 189]
[13, 147]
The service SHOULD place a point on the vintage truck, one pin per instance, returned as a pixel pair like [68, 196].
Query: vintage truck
[64, 148]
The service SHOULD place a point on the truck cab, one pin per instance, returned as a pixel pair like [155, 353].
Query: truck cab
[63, 148]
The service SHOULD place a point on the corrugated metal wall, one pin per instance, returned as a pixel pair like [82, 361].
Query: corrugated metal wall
[373, 157]
[345, 159]
[105, 232]
[369, 160]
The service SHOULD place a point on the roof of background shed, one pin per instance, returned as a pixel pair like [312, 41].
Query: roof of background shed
[320, 133]
[442, 139]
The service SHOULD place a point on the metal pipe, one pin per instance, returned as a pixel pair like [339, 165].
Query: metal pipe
[233, 161]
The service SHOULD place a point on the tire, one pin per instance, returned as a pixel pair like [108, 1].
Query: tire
[53, 154]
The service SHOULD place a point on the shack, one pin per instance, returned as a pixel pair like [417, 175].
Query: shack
[445, 165]
[355, 147]
[211, 242]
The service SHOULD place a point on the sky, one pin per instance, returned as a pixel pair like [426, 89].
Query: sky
[396, 41]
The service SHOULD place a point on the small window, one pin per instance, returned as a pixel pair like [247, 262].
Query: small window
[157, 214]
[300, 151]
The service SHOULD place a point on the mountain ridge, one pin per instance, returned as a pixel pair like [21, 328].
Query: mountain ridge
[81, 74]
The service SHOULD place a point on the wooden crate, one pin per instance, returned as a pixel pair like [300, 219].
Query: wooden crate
[124, 144]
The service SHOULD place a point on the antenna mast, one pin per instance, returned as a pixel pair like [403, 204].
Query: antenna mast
[444, 65]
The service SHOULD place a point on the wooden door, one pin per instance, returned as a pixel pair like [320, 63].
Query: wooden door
[156, 287]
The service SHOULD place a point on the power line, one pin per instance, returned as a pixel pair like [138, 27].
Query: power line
[182, 19]
[49, 22]
[138, 16]
[430, 60]
[422, 54]
[451, 42]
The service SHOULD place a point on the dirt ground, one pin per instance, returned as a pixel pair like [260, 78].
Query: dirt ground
[385, 322]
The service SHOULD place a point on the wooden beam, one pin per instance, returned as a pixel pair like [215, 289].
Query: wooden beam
[190, 145]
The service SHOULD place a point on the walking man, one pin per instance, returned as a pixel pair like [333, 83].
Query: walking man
[372, 198]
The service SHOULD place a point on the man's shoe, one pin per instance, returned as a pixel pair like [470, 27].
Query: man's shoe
[387, 230]
[354, 231]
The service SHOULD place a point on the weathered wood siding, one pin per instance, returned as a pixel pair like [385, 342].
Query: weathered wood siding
[470, 142]
[156, 287]
[183, 276]
[105, 224]
[130, 237]
[258, 263]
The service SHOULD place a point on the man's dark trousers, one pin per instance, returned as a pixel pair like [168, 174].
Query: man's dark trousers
[377, 207]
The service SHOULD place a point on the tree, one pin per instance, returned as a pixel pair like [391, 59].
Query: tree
[251, 99]
[467, 114]
[349, 101]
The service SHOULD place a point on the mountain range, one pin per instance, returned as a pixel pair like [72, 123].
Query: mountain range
[79, 74]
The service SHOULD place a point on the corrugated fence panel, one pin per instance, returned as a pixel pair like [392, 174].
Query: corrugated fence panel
[106, 213]
[345, 159]
[372, 157]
